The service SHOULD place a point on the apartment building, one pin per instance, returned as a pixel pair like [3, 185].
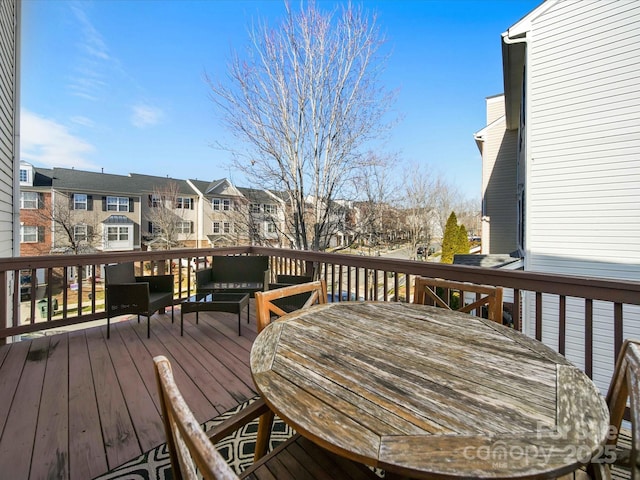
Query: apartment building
[73, 211]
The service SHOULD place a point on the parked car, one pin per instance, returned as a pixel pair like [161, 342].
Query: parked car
[420, 251]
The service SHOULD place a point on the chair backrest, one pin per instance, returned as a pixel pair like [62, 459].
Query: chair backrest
[119, 273]
[293, 279]
[625, 385]
[442, 293]
[239, 268]
[276, 302]
[189, 447]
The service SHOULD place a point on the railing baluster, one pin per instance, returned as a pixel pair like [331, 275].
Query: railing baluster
[375, 284]
[65, 295]
[517, 318]
[618, 328]
[79, 269]
[562, 326]
[538, 316]
[396, 286]
[93, 288]
[385, 286]
[588, 337]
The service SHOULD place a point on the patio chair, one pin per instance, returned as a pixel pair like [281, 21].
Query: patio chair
[190, 448]
[441, 293]
[280, 301]
[625, 385]
[126, 293]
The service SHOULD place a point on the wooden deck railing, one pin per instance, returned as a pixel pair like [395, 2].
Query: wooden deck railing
[544, 306]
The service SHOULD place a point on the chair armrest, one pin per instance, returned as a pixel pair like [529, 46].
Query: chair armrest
[266, 279]
[158, 283]
[203, 276]
[125, 295]
[233, 423]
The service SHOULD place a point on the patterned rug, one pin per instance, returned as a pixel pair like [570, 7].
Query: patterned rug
[237, 449]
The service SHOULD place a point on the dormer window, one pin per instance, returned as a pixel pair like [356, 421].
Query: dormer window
[26, 175]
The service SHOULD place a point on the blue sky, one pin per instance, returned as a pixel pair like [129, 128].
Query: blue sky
[119, 84]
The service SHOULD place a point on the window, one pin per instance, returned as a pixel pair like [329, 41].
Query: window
[155, 200]
[221, 204]
[80, 201]
[29, 200]
[80, 233]
[24, 175]
[270, 209]
[31, 234]
[184, 202]
[117, 204]
[254, 208]
[183, 227]
[216, 227]
[117, 234]
[155, 229]
[227, 227]
[271, 227]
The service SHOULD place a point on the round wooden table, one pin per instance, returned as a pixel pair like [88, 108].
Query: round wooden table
[427, 393]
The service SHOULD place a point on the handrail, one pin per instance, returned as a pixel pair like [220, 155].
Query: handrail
[545, 301]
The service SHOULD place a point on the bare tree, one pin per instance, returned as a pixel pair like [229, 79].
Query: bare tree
[75, 231]
[304, 103]
[166, 219]
[419, 189]
[375, 222]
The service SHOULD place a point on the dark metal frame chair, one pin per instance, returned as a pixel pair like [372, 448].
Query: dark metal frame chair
[125, 293]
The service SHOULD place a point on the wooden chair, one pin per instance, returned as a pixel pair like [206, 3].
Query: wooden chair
[126, 293]
[284, 300]
[426, 292]
[625, 385]
[190, 448]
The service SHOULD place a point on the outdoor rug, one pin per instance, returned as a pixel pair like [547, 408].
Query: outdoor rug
[237, 449]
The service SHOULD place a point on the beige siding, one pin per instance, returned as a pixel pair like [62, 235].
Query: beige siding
[499, 182]
[583, 156]
[495, 108]
[8, 113]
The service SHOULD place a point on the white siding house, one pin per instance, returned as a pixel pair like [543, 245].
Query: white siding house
[572, 91]
[498, 147]
[9, 135]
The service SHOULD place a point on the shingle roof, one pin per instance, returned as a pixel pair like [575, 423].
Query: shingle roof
[132, 184]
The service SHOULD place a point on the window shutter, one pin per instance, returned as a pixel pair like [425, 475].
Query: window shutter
[104, 204]
[150, 227]
[191, 203]
[130, 204]
[89, 232]
[191, 227]
[150, 200]
[89, 202]
[40, 233]
[71, 201]
[40, 200]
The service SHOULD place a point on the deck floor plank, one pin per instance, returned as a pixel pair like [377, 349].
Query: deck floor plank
[19, 432]
[106, 391]
[203, 375]
[117, 429]
[238, 389]
[52, 432]
[10, 372]
[142, 409]
[87, 454]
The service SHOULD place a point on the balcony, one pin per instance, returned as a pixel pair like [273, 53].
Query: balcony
[76, 405]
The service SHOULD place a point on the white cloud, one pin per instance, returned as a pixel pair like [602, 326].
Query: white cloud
[88, 80]
[84, 121]
[45, 142]
[145, 116]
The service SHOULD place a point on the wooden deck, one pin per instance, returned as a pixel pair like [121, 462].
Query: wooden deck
[75, 405]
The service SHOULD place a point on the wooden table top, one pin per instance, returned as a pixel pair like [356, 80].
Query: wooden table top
[428, 393]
